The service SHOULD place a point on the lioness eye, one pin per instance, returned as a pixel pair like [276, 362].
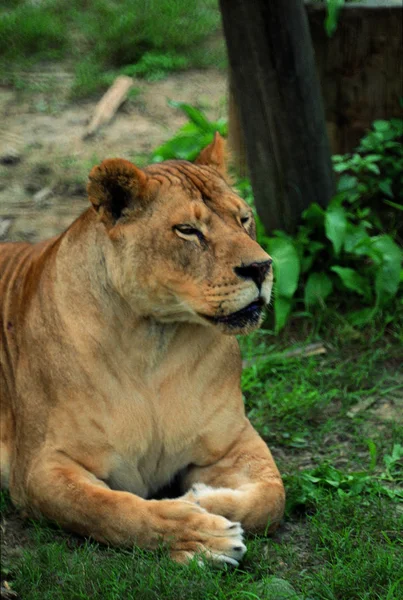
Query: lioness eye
[189, 230]
[245, 220]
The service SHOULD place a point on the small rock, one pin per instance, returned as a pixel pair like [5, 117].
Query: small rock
[10, 156]
[32, 186]
[5, 225]
[42, 196]
[6, 593]
[277, 589]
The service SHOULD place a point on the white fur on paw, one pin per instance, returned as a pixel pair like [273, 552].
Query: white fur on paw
[201, 490]
[221, 559]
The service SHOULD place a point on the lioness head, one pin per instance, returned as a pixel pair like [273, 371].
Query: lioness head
[181, 243]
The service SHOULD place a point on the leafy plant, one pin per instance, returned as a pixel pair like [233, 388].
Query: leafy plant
[155, 65]
[351, 248]
[191, 137]
[372, 177]
[332, 9]
[307, 488]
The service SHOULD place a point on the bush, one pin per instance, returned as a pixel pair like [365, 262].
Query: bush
[348, 252]
[31, 29]
[155, 65]
[192, 137]
[120, 33]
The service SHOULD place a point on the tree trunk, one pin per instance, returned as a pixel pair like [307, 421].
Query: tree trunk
[360, 67]
[277, 91]
[236, 141]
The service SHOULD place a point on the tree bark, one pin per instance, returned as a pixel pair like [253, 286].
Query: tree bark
[360, 67]
[236, 141]
[278, 95]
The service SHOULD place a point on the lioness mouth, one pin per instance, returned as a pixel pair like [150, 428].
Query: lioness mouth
[248, 315]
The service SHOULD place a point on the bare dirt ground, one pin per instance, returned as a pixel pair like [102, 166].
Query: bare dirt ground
[44, 161]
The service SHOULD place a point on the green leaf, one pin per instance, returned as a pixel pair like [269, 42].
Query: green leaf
[186, 146]
[359, 244]
[195, 115]
[333, 7]
[353, 280]
[361, 317]
[286, 266]
[340, 167]
[336, 226]
[386, 188]
[391, 460]
[346, 182]
[373, 168]
[338, 158]
[191, 137]
[282, 309]
[388, 272]
[373, 454]
[317, 289]
[394, 204]
[381, 125]
[311, 252]
[306, 263]
[314, 215]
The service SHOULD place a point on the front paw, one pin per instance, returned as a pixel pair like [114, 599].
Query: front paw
[191, 531]
[214, 538]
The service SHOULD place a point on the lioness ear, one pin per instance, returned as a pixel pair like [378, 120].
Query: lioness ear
[214, 155]
[114, 185]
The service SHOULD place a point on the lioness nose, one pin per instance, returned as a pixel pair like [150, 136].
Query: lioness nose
[255, 271]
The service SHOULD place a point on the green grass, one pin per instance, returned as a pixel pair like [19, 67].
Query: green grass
[293, 401]
[341, 538]
[102, 38]
[32, 29]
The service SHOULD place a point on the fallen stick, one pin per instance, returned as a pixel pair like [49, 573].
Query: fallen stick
[109, 104]
[363, 405]
[303, 351]
[308, 350]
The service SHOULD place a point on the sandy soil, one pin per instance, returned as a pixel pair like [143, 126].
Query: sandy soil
[44, 162]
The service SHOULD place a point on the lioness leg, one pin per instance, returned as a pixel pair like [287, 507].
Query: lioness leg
[64, 491]
[244, 485]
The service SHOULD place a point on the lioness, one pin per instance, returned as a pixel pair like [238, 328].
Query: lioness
[116, 370]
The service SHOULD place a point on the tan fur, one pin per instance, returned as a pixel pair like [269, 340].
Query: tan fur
[114, 378]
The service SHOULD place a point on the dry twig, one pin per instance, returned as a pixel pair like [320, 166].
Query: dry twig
[109, 104]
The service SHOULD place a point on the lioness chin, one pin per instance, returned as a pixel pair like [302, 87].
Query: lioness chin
[116, 373]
